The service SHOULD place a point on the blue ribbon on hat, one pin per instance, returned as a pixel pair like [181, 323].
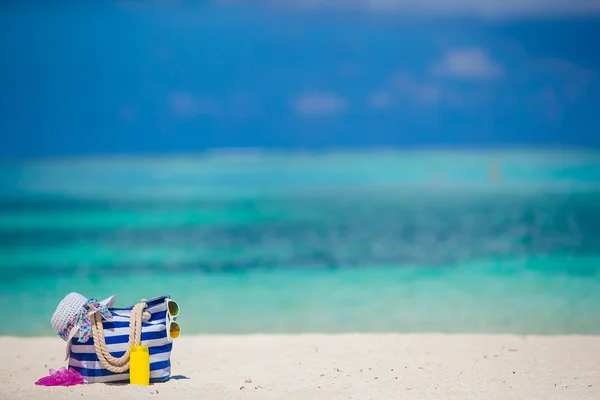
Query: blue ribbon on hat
[82, 319]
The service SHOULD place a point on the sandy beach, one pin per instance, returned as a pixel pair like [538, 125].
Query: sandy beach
[360, 366]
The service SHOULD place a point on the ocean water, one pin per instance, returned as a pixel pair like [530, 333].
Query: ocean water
[437, 241]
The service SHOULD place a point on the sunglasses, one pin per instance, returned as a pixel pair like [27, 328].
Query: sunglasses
[172, 313]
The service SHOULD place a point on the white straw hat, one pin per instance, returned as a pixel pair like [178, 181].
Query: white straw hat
[72, 316]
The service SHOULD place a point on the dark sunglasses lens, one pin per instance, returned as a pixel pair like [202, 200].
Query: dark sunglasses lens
[173, 308]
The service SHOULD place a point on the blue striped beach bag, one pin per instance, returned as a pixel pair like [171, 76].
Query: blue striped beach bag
[99, 336]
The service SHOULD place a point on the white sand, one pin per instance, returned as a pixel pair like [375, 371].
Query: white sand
[374, 366]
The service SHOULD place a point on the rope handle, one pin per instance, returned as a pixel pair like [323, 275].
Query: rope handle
[120, 364]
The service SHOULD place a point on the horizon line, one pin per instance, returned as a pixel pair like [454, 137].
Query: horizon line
[258, 150]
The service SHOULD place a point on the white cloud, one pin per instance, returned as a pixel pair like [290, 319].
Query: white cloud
[319, 104]
[488, 8]
[467, 64]
[480, 8]
[186, 105]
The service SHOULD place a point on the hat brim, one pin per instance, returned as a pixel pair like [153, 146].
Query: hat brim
[108, 303]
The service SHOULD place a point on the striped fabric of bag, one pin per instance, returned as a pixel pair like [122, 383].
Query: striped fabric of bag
[155, 335]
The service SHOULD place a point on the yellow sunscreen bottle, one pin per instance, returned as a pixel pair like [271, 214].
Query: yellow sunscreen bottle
[139, 366]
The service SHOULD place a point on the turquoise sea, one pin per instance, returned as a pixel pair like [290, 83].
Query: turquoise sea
[379, 241]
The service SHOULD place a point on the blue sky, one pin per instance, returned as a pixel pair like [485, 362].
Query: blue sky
[167, 77]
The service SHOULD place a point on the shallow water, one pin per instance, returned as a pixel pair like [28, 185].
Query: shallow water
[329, 242]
